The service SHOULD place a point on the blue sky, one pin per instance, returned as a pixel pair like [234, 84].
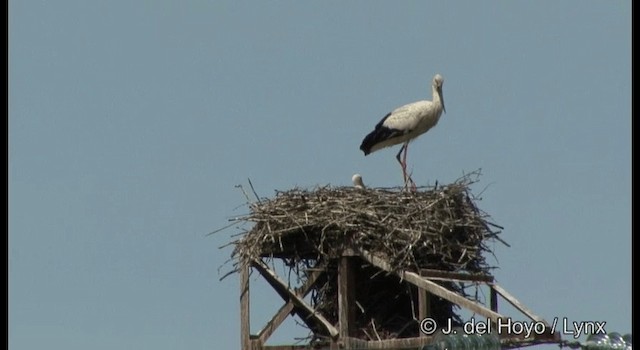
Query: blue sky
[130, 123]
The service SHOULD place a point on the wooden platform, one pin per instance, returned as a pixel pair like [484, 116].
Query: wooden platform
[340, 335]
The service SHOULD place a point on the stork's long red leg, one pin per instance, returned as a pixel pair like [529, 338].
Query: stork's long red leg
[407, 177]
[408, 181]
[403, 165]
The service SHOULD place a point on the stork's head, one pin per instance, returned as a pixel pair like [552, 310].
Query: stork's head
[438, 80]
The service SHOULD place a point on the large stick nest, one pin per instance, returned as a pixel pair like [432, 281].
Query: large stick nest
[438, 227]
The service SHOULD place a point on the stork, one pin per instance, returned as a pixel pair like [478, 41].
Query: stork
[357, 181]
[404, 124]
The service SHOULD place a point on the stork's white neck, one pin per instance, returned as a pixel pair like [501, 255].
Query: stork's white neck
[436, 97]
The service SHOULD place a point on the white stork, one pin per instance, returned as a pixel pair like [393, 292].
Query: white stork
[357, 181]
[406, 123]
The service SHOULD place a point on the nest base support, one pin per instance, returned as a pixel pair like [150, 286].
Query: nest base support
[341, 335]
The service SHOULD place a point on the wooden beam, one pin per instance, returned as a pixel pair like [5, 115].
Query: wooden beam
[513, 343]
[309, 315]
[349, 252]
[548, 335]
[432, 287]
[400, 343]
[286, 309]
[518, 305]
[346, 297]
[245, 331]
[353, 343]
[454, 276]
[386, 344]
[286, 347]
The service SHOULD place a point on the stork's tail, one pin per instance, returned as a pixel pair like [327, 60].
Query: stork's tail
[379, 135]
[368, 142]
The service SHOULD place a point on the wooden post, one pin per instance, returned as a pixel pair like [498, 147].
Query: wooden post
[245, 331]
[493, 300]
[346, 299]
[424, 306]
